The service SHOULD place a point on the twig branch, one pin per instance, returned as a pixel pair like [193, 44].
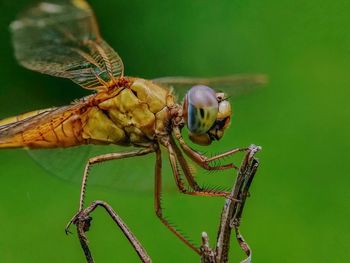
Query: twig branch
[232, 213]
[83, 224]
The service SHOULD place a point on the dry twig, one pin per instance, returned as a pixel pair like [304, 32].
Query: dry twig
[232, 213]
[82, 223]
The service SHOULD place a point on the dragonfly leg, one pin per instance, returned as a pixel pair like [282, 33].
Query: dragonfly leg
[203, 160]
[100, 159]
[174, 155]
[158, 205]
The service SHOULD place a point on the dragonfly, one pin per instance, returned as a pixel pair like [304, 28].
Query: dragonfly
[61, 38]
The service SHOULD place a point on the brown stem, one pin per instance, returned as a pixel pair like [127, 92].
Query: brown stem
[82, 222]
[232, 213]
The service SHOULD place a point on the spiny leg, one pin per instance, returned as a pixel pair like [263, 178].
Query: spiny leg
[100, 159]
[174, 155]
[158, 205]
[203, 160]
[183, 163]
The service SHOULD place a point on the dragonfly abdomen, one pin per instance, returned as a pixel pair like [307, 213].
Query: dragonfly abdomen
[49, 128]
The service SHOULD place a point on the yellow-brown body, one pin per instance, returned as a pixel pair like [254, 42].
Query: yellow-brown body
[134, 113]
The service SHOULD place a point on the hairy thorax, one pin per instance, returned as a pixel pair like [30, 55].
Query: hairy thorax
[133, 115]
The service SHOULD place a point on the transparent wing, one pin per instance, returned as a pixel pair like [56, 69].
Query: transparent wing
[132, 175]
[232, 85]
[61, 38]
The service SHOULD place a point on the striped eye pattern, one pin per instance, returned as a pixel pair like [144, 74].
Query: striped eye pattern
[200, 109]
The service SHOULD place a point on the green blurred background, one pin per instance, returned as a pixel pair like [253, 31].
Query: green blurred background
[299, 206]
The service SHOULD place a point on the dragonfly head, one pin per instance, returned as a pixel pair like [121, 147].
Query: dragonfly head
[207, 114]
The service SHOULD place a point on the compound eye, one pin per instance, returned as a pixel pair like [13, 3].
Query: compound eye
[200, 109]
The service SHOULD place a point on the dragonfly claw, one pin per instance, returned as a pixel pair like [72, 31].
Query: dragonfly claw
[234, 199]
[72, 221]
[80, 219]
[67, 231]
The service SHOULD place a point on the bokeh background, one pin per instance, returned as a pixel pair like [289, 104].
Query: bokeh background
[299, 205]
